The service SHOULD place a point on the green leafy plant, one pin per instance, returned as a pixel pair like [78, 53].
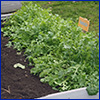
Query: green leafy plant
[63, 56]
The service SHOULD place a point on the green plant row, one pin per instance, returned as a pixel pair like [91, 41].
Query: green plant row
[63, 56]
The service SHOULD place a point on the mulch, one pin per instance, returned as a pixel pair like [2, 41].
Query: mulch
[17, 83]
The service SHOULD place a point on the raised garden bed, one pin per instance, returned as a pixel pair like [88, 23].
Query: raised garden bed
[21, 83]
[63, 56]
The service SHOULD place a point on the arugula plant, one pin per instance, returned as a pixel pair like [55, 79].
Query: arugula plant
[63, 56]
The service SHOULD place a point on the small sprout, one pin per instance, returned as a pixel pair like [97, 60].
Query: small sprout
[9, 44]
[19, 65]
[18, 53]
[24, 60]
[26, 75]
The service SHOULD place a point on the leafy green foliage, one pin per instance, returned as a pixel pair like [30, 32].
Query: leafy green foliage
[63, 56]
[67, 9]
[93, 88]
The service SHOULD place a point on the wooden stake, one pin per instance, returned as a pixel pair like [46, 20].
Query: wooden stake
[83, 31]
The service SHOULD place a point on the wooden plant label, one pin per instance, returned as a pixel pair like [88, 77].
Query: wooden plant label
[83, 23]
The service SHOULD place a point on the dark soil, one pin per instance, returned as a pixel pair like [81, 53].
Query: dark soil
[17, 83]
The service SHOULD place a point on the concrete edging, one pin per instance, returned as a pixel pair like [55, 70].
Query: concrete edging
[10, 6]
[80, 93]
[5, 16]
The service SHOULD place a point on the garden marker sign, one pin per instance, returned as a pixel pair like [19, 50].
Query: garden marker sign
[83, 23]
